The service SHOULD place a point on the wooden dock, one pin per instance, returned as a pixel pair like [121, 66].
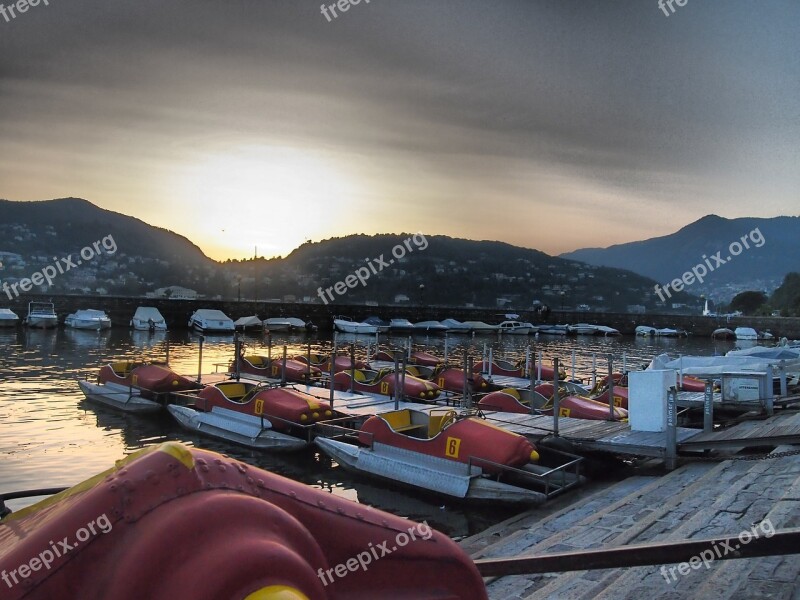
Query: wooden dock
[783, 428]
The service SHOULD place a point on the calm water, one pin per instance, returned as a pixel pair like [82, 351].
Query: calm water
[51, 437]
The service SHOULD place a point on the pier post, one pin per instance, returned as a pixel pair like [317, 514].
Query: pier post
[308, 358]
[594, 369]
[708, 407]
[352, 367]
[556, 399]
[283, 368]
[166, 344]
[770, 399]
[445, 348]
[539, 375]
[269, 347]
[200, 359]
[611, 412]
[671, 450]
[333, 371]
[491, 360]
[396, 381]
[465, 391]
[573, 364]
[237, 348]
[532, 375]
[782, 374]
[403, 364]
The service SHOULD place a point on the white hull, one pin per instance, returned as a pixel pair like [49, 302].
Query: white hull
[431, 473]
[203, 327]
[118, 396]
[353, 327]
[236, 427]
[145, 325]
[42, 322]
[91, 324]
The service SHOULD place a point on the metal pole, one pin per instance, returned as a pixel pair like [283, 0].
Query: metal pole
[333, 371]
[594, 369]
[308, 358]
[770, 392]
[409, 347]
[539, 375]
[403, 378]
[680, 371]
[269, 347]
[624, 363]
[532, 375]
[556, 399]
[671, 451]
[611, 412]
[782, 374]
[352, 367]
[396, 381]
[573, 364]
[528, 369]
[167, 345]
[237, 348]
[708, 407]
[445, 348]
[469, 388]
[491, 361]
[200, 359]
[465, 390]
[283, 368]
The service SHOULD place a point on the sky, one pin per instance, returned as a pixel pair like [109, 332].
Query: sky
[261, 124]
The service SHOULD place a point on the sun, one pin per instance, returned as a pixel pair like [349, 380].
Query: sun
[269, 198]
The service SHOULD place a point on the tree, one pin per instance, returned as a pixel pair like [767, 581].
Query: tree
[787, 296]
[748, 302]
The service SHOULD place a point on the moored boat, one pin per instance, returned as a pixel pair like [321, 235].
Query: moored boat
[465, 458]
[723, 333]
[746, 333]
[480, 327]
[120, 397]
[8, 318]
[571, 403]
[209, 320]
[90, 318]
[249, 323]
[383, 326]
[148, 318]
[514, 328]
[553, 329]
[152, 380]
[454, 326]
[401, 325]
[430, 327]
[582, 329]
[383, 383]
[645, 331]
[41, 315]
[323, 363]
[272, 368]
[347, 325]
[508, 369]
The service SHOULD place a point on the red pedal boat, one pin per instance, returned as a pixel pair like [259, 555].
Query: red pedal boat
[323, 363]
[503, 367]
[150, 379]
[174, 523]
[424, 359]
[383, 383]
[261, 366]
[570, 405]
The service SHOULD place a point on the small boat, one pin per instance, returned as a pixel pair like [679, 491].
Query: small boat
[669, 332]
[276, 418]
[151, 379]
[454, 326]
[430, 327]
[209, 320]
[723, 333]
[645, 331]
[452, 380]
[94, 320]
[465, 458]
[296, 324]
[120, 397]
[554, 329]
[514, 327]
[148, 318]
[251, 323]
[607, 331]
[383, 383]
[347, 325]
[401, 325]
[272, 368]
[480, 327]
[582, 329]
[533, 328]
[765, 336]
[416, 357]
[278, 324]
[8, 318]
[175, 522]
[41, 315]
[745, 333]
[383, 326]
[571, 403]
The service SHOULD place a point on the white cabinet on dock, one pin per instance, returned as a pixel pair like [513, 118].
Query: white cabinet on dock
[647, 399]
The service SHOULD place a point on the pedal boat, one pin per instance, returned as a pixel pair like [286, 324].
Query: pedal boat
[171, 522]
[571, 404]
[424, 359]
[450, 379]
[269, 418]
[383, 383]
[135, 387]
[464, 458]
[508, 369]
[323, 363]
[263, 367]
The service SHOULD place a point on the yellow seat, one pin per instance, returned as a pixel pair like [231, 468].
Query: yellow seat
[400, 420]
[234, 391]
[256, 361]
[359, 375]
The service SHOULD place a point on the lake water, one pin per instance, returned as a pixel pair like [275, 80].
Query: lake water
[49, 436]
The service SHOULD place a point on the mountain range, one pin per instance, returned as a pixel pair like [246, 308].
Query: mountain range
[443, 270]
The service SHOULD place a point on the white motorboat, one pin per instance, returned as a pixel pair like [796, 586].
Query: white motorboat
[209, 320]
[41, 315]
[296, 324]
[90, 319]
[430, 327]
[148, 318]
[667, 332]
[121, 397]
[278, 324]
[583, 329]
[645, 330]
[454, 326]
[745, 333]
[8, 318]
[401, 325]
[607, 331]
[554, 329]
[723, 333]
[480, 327]
[346, 325]
[252, 322]
[514, 327]
[383, 326]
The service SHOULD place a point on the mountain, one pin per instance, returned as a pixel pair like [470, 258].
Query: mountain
[774, 251]
[393, 268]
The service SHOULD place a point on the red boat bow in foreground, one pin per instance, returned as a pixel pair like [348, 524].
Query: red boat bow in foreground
[170, 523]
